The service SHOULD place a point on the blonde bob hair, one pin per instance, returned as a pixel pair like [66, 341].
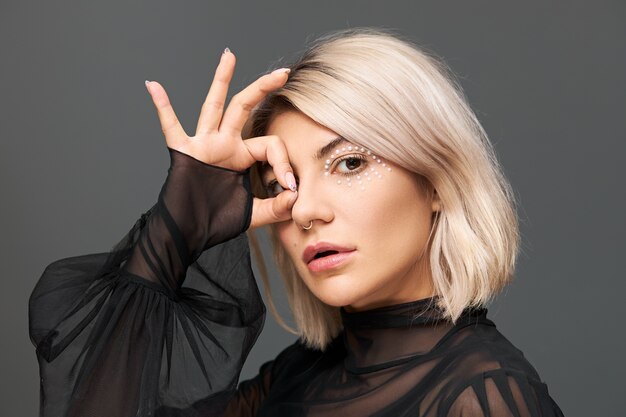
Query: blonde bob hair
[382, 92]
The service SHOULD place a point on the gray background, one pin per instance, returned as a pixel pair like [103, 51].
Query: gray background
[83, 156]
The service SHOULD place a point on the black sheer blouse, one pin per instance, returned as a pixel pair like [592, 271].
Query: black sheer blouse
[162, 324]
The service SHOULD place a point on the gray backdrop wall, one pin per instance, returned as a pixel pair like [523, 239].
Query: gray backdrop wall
[545, 78]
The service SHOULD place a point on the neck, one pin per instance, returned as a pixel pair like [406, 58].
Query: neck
[385, 336]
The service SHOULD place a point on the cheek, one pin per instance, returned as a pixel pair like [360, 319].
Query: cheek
[287, 236]
[395, 210]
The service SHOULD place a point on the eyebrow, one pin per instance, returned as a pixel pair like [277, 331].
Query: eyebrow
[319, 155]
[326, 149]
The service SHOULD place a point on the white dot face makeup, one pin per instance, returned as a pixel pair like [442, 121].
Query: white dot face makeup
[358, 165]
[348, 166]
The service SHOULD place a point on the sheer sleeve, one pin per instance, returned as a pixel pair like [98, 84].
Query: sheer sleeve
[251, 393]
[501, 393]
[162, 324]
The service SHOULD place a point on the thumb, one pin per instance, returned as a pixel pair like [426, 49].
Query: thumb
[272, 210]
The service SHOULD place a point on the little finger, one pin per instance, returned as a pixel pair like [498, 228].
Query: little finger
[170, 125]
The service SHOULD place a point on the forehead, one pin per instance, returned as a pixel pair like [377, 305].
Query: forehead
[305, 140]
[295, 128]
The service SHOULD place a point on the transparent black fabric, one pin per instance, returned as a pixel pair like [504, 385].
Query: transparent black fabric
[401, 360]
[162, 324]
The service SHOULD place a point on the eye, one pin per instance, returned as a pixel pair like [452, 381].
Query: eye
[274, 188]
[350, 164]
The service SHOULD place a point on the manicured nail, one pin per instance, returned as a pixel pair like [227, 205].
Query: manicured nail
[291, 181]
[148, 88]
[292, 199]
[226, 50]
[282, 71]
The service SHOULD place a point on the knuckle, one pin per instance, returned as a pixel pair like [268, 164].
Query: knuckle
[274, 140]
[284, 166]
[277, 209]
[214, 105]
[169, 125]
[264, 87]
[247, 106]
[236, 98]
[240, 101]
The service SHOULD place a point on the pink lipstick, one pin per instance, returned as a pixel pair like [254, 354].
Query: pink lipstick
[323, 256]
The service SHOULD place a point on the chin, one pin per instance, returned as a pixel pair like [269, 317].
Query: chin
[335, 301]
[335, 294]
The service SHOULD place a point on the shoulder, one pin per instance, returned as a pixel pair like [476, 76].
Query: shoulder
[491, 376]
[499, 392]
[480, 347]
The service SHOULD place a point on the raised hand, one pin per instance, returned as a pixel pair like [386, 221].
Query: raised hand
[218, 140]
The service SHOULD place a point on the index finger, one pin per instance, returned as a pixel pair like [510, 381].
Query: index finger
[243, 102]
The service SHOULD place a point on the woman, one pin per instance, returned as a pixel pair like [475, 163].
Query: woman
[392, 226]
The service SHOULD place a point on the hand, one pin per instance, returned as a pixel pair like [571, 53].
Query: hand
[218, 139]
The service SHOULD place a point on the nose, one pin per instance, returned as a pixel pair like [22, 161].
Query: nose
[312, 205]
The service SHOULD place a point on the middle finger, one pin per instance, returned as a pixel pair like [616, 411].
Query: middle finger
[213, 105]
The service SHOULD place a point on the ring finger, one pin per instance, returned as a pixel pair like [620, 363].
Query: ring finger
[243, 102]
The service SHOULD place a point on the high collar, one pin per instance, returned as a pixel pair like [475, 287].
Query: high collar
[387, 336]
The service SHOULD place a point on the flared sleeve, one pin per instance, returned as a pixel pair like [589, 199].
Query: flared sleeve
[162, 324]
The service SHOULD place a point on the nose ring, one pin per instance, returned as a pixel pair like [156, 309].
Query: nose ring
[310, 225]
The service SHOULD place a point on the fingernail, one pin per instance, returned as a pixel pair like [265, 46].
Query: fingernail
[292, 199]
[226, 50]
[291, 181]
[148, 88]
[282, 71]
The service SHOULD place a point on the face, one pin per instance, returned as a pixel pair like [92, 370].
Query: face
[371, 219]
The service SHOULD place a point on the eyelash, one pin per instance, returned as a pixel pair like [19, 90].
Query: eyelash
[360, 168]
[270, 186]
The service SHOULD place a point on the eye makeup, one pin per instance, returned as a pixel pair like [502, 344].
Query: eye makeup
[350, 166]
[369, 166]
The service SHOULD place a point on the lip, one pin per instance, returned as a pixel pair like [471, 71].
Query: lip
[330, 261]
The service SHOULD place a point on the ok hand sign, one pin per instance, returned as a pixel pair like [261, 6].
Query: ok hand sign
[218, 140]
